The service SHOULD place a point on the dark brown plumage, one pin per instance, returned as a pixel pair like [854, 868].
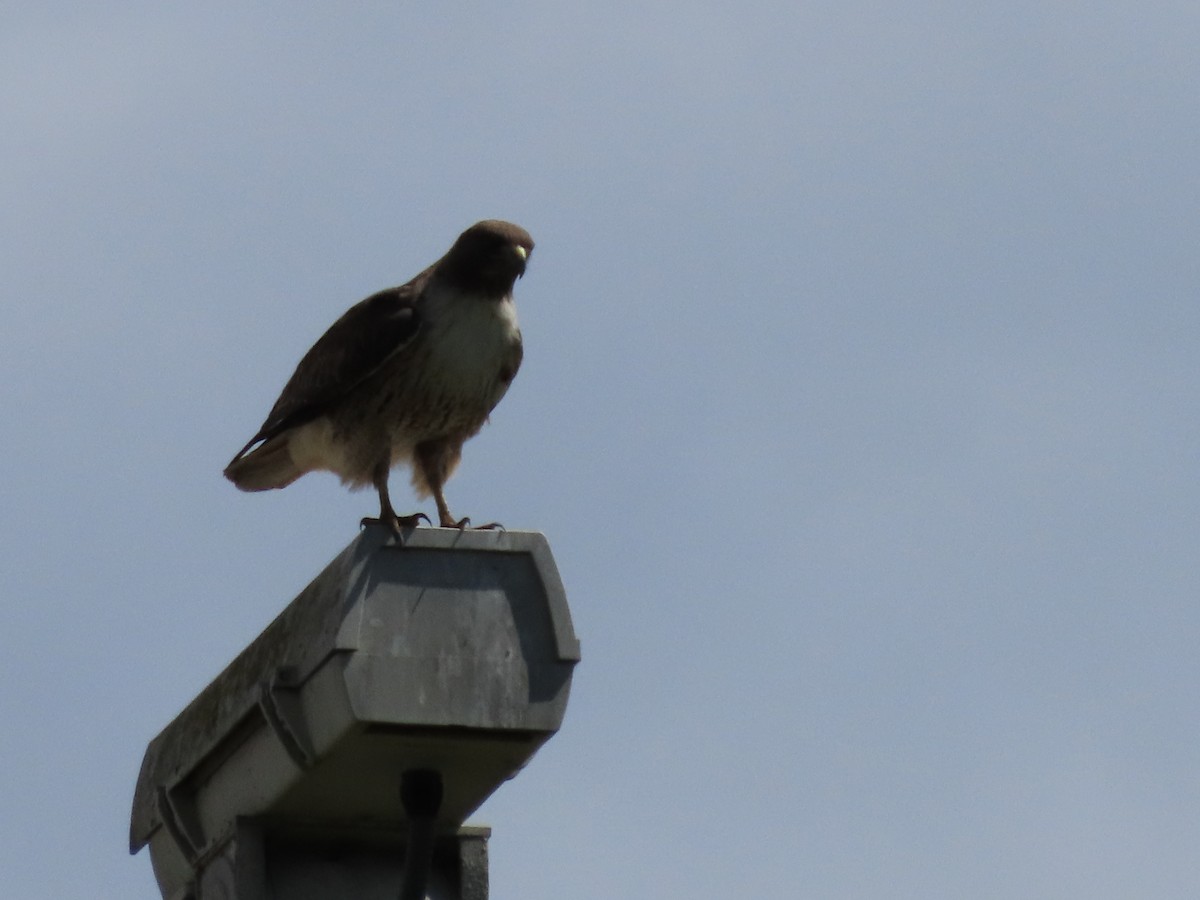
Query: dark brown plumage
[405, 376]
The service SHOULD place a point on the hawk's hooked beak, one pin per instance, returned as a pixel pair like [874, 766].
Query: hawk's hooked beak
[523, 255]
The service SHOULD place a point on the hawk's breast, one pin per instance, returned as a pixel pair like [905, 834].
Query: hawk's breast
[471, 343]
[459, 367]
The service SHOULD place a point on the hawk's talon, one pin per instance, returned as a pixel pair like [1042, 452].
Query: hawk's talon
[396, 524]
[464, 524]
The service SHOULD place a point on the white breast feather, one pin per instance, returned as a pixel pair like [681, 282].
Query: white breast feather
[470, 340]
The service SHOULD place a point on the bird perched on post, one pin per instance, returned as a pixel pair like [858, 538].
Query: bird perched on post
[405, 376]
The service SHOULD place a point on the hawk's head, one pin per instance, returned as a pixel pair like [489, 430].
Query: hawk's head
[488, 257]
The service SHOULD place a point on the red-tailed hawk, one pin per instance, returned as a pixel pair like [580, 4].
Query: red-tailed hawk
[405, 376]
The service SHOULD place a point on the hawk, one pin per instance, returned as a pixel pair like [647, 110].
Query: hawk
[406, 376]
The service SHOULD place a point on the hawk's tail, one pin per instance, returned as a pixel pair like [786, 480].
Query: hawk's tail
[267, 466]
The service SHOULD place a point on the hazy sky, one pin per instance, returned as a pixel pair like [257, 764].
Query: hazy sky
[860, 408]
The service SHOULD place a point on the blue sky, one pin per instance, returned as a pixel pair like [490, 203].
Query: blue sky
[860, 407]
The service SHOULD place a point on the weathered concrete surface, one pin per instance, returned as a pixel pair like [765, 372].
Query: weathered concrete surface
[452, 652]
